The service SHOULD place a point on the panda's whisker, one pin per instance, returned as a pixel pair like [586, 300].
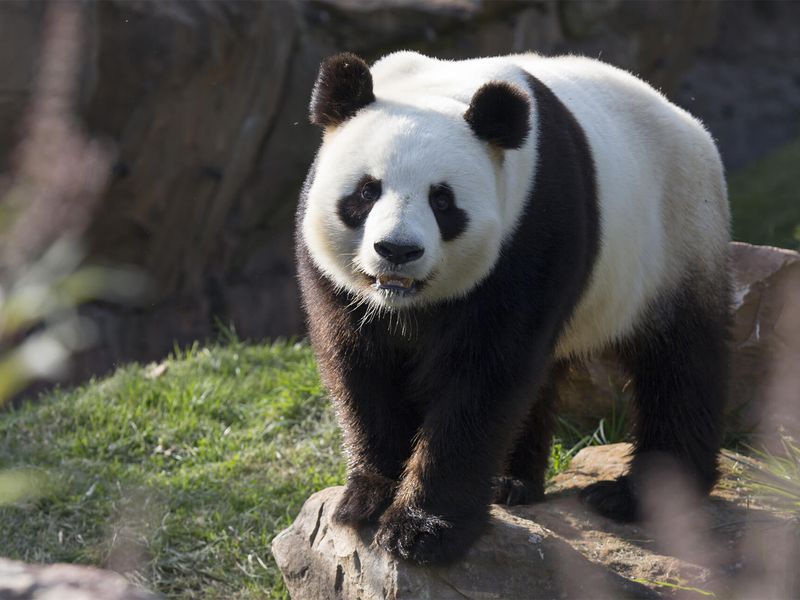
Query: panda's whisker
[355, 303]
[369, 315]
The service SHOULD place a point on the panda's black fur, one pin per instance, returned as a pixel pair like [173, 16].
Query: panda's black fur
[441, 423]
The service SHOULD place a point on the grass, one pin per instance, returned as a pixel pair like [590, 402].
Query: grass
[765, 199]
[180, 478]
[774, 477]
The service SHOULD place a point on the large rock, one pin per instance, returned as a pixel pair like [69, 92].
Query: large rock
[764, 382]
[20, 581]
[557, 549]
[514, 559]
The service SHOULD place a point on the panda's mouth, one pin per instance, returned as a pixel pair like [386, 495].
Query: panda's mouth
[396, 284]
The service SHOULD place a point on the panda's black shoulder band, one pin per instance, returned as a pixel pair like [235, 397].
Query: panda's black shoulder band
[499, 114]
[343, 87]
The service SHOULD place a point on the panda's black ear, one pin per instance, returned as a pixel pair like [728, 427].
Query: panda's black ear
[344, 85]
[499, 114]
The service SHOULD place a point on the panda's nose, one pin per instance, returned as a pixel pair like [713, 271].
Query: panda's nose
[398, 254]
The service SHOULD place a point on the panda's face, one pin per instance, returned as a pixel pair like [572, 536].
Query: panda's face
[403, 208]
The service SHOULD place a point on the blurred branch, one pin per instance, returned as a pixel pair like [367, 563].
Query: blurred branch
[59, 172]
[46, 204]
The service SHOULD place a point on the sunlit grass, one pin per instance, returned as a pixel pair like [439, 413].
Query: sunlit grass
[181, 477]
[774, 477]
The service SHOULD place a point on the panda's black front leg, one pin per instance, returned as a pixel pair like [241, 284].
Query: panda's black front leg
[377, 424]
[378, 428]
[441, 505]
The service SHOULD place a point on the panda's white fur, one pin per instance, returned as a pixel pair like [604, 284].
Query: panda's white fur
[661, 191]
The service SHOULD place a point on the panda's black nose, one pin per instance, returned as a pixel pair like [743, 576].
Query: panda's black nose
[398, 254]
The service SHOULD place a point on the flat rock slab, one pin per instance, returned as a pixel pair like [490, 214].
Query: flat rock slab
[557, 549]
[20, 581]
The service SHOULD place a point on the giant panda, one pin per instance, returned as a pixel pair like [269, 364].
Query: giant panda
[466, 230]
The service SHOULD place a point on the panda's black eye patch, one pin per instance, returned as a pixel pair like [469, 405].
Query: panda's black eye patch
[452, 221]
[354, 208]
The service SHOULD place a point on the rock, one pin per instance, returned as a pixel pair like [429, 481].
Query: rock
[556, 549]
[764, 382]
[20, 581]
[321, 560]
[739, 88]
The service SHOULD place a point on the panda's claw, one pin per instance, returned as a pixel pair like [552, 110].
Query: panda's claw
[424, 538]
[510, 491]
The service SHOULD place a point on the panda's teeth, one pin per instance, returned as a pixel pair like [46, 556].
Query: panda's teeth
[393, 281]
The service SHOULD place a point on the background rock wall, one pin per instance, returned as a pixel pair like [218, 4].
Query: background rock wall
[206, 105]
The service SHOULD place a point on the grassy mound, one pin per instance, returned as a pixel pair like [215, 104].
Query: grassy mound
[179, 477]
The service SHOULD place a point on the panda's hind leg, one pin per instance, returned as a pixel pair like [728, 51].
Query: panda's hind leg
[679, 365]
[523, 479]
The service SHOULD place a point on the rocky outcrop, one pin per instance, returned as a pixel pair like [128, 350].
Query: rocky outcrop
[19, 581]
[557, 549]
[765, 349]
[765, 381]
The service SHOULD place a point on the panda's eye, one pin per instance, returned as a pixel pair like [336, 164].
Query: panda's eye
[371, 190]
[441, 197]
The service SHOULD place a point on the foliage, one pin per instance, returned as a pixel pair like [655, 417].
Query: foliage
[570, 438]
[45, 205]
[178, 474]
[774, 477]
[765, 200]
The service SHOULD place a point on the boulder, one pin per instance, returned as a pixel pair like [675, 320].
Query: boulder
[515, 557]
[764, 382]
[556, 549]
[20, 581]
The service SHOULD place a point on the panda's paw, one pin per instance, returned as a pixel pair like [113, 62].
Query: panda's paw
[616, 499]
[424, 538]
[364, 499]
[510, 491]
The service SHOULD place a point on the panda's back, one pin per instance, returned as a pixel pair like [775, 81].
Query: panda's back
[661, 195]
[664, 218]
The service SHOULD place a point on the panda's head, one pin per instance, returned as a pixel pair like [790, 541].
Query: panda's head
[405, 203]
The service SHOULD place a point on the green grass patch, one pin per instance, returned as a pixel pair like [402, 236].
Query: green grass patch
[179, 480]
[774, 477]
[765, 199]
